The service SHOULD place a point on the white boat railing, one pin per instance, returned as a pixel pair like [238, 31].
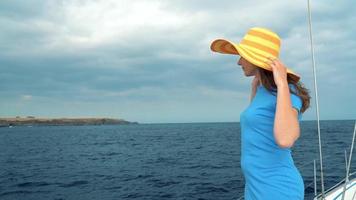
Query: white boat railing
[337, 184]
[316, 98]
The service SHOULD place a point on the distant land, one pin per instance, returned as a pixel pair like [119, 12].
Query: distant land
[33, 121]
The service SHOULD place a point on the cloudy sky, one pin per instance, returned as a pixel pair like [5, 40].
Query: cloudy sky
[149, 60]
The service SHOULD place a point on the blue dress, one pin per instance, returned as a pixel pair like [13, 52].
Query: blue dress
[269, 170]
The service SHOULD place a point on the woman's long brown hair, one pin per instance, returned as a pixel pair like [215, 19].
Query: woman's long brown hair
[267, 81]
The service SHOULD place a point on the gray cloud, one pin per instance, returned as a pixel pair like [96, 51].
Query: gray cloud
[158, 51]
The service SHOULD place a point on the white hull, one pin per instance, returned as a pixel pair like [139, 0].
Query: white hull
[336, 193]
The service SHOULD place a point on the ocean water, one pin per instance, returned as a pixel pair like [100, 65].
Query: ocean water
[150, 161]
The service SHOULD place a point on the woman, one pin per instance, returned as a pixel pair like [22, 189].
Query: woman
[270, 124]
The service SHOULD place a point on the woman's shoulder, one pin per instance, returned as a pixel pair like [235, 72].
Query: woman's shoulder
[273, 92]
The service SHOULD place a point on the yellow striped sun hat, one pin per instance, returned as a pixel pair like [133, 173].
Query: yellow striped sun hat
[256, 46]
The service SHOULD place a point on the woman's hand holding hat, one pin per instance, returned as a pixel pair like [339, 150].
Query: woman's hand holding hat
[279, 71]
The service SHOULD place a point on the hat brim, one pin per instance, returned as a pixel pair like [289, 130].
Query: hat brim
[227, 47]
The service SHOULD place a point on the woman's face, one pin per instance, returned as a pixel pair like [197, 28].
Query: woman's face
[248, 68]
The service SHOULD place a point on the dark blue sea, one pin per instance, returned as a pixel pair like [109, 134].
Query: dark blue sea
[150, 161]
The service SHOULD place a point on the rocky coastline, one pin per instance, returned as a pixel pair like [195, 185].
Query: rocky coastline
[33, 121]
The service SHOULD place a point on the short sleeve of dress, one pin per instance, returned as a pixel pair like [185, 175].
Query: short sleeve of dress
[296, 102]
